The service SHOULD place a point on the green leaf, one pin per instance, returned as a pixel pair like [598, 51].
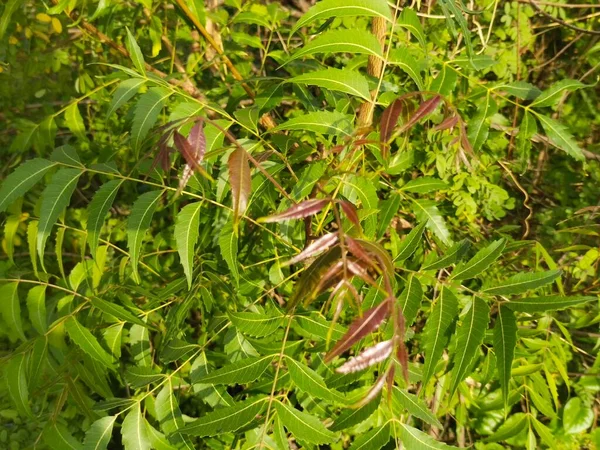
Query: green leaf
[351, 416]
[342, 80]
[323, 122]
[387, 210]
[560, 137]
[135, 53]
[37, 360]
[304, 426]
[424, 185]
[311, 382]
[140, 345]
[414, 439]
[544, 432]
[124, 92]
[373, 440]
[327, 9]
[158, 441]
[402, 58]
[15, 374]
[469, 338]
[36, 305]
[361, 188]
[228, 243]
[410, 242]
[58, 437]
[186, 235]
[505, 341]
[146, 113]
[552, 95]
[520, 89]
[134, 431]
[481, 261]
[137, 224]
[523, 282]
[410, 299]
[97, 210]
[74, 121]
[55, 199]
[454, 14]
[479, 125]
[548, 303]
[445, 82]
[140, 376]
[169, 416]
[436, 330]
[22, 179]
[99, 434]
[309, 176]
[240, 372]
[511, 427]
[452, 255]
[410, 21]
[405, 401]
[86, 341]
[255, 324]
[226, 419]
[10, 308]
[67, 155]
[341, 41]
[428, 212]
[316, 327]
[9, 8]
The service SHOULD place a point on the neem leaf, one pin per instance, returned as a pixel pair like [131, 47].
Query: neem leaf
[505, 341]
[311, 382]
[323, 122]
[240, 372]
[342, 80]
[327, 9]
[97, 210]
[481, 261]
[225, 419]
[98, 435]
[137, 225]
[22, 179]
[134, 431]
[523, 282]
[304, 426]
[548, 303]
[240, 180]
[135, 53]
[186, 235]
[345, 41]
[85, 340]
[299, 211]
[255, 324]
[15, 375]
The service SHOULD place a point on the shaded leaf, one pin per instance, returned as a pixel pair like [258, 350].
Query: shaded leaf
[481, 261]
[423, 185]
[410, 242]
[10, 308]
[404, 400]
[451, 256]
[523, 282]
[505, 341]
[228, 244]
[15, 374]
[86, 341]
[417, 440]
[513, 425]
[146, 113]
[124, 92]
[424, 109]
[317, 246]
[97, 210]
[351, 416]
[548, 303]
[428, 212]
[389, 119]
[186, 235]
[311, 382]
[36, 305]
[560, 136]
[22, 179]
[410, 299]
[58, 437]
[99, 434]
[137, 225]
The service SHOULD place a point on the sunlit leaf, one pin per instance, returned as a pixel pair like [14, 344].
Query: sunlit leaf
[548, 303]
[481, 261]
[97, 210]
[326, 9]
[304, 426]
[138, 224]
[133, 430]
[523, 282]
[225, 419]
[186, 234]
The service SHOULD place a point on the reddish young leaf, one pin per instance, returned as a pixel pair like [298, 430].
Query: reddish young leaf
[329, 277]
[197, 141]
[380, 254]
[464, 140]
[401, 351]
[303, 209]
[240, 180]
[362, 326]
[373, 392]
[448, 123]
[350, 212]
[320, 245]
[425, 108]
[389, 119]
[369, 357]
[357, 269]
[357, 250]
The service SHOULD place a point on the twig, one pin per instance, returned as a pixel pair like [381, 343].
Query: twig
[560, 21]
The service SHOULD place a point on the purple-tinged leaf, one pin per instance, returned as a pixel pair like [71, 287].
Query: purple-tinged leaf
[357, 250]
[329, 277]
[299, 211]
[240, 180]
[425, 108]
[320, 245]
[448, 123]
[192, 158]
[361, 326]
[350, 212]
[389, 119]
[356, 269]
[369, 357]
[197, 141]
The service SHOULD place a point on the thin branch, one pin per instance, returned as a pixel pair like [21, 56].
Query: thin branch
[560, 21]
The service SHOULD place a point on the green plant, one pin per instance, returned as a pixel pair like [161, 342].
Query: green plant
[301, 231]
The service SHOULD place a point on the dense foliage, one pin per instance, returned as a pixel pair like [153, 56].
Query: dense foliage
[342, 224]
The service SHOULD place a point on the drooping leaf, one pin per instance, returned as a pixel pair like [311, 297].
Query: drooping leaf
[327, 9]
[10, 308]
[15, 374]
[410, 299]
[451, 256]
[146, 113]
[410, 243]
[523, 282]
[341, 41]
[137, 225]
[548, 303]
[402, 58]
[323, 122]
[99, 434]
[577, 416]
[317, 328]
[513, 425]
[124, 92]
[454, 14]
[36, 305]
[361, 327]
[240, 372]
[410, 21]
[22, 179]
[505, 341]
[86, 341]
[428, 212]
[368, 357]
[240, 180]
[436, 334]
[373, 440]
[424, 109]
[418, 440]
[58, 437]
[479, 125]
[469, 338]
[404, 400]
[311, 382]
[317, 246]
[186, 235]
[55, 198]
[117, 311]
[445, 82]
[387, 210]
[560, 136]
[228, 243]
[342, 80]
[553, 94]
[133, 430]
[225, 419]
[362, 189]
[97, 210]
[135, 53]
[304, 426]
[481, 261]
[170, 417]
[255, 324]
[300, 210]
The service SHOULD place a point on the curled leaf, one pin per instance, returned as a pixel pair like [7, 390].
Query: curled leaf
[320, 245]
[299, 211]
[368, 358]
